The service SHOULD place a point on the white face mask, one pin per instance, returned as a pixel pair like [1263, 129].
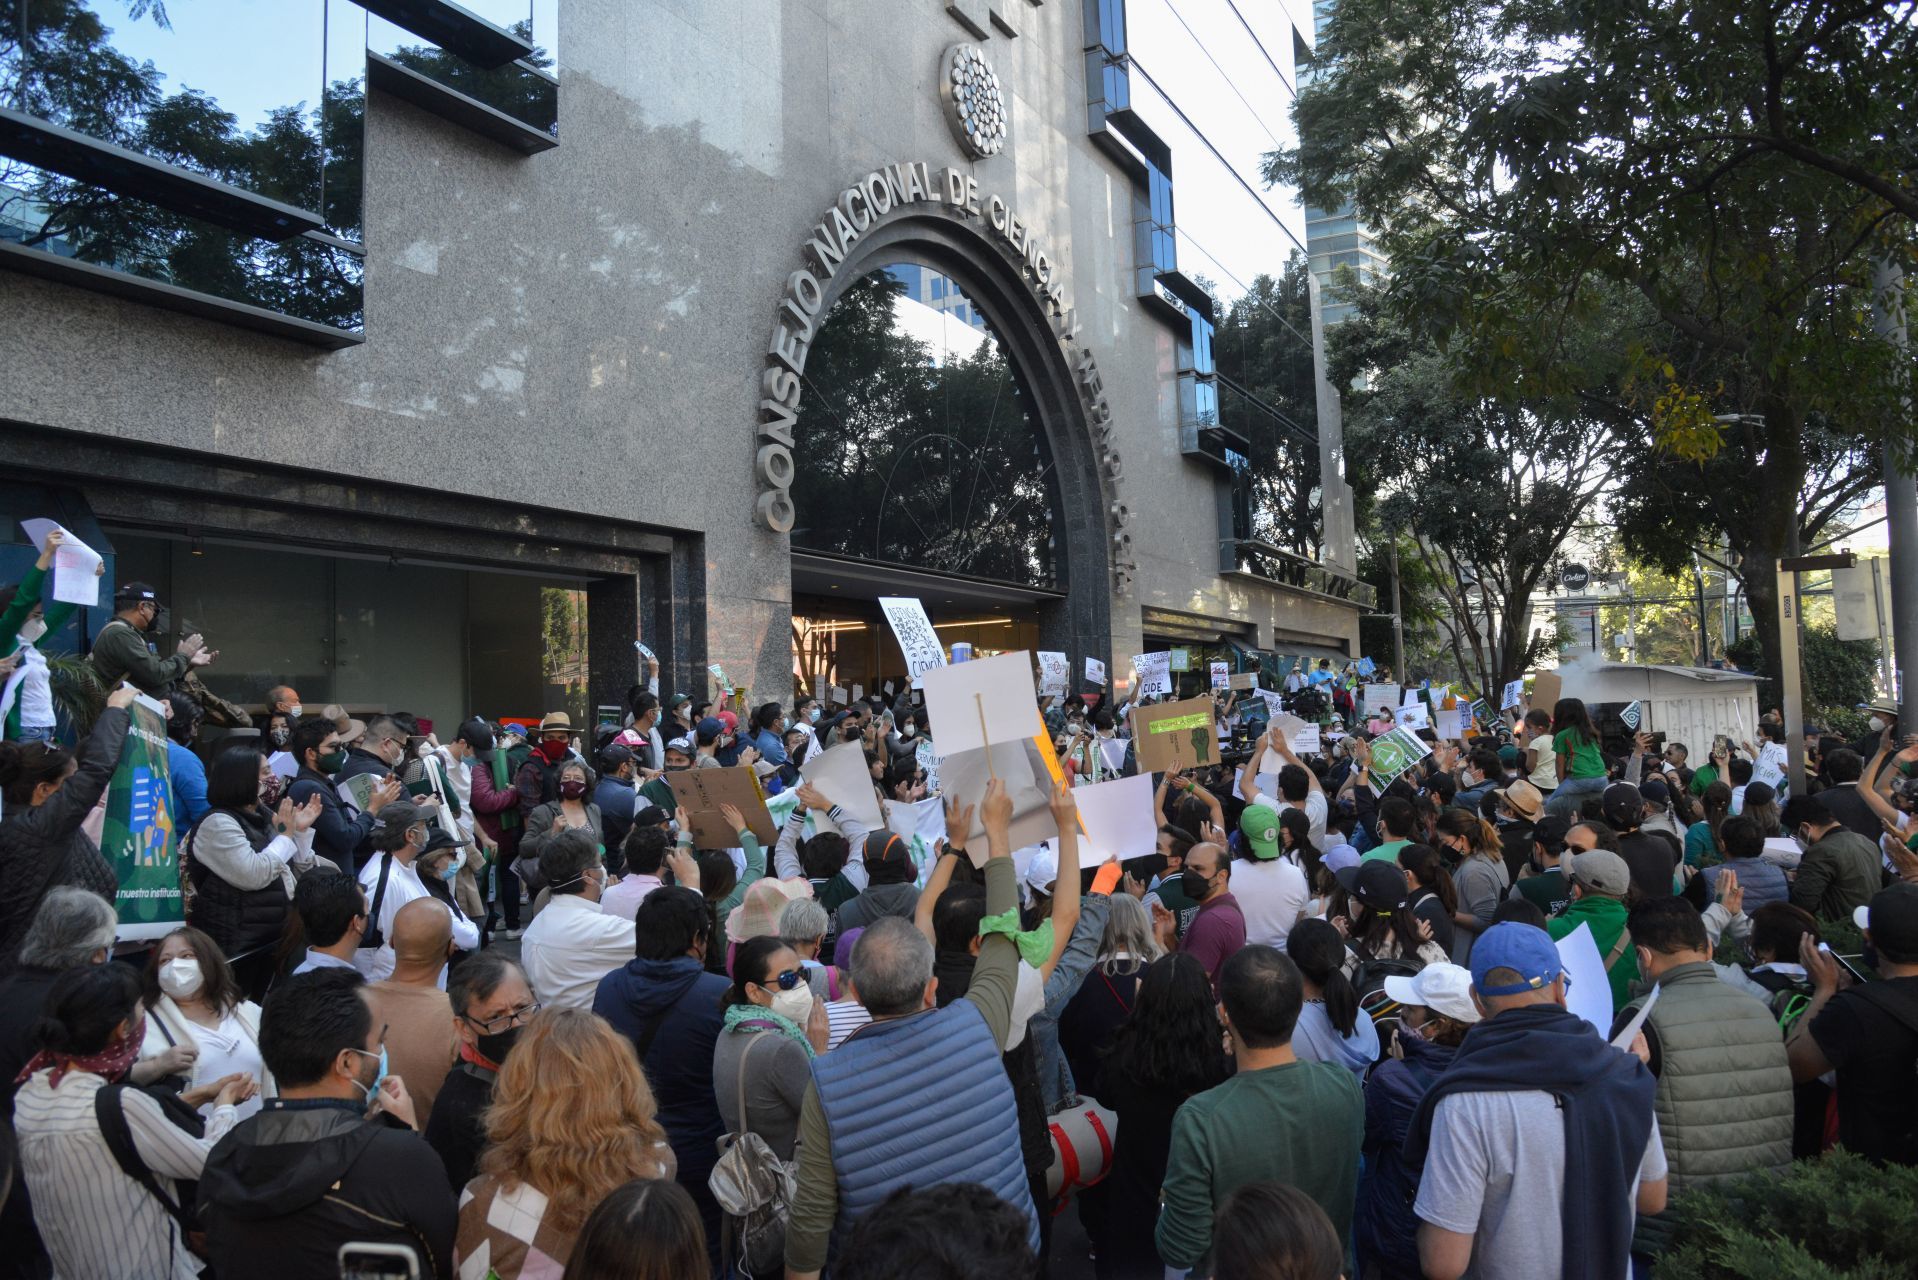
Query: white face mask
[794, 1005]
[1877, 724]
[296, 710]
[181, 978]
[32, 629]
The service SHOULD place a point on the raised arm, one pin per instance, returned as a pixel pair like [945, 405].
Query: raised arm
[1065, 890]
[995, 974]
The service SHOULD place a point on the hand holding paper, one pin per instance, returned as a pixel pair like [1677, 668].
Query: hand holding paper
[75, 566]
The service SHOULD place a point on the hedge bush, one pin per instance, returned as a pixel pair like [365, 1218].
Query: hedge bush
[1838, 1217]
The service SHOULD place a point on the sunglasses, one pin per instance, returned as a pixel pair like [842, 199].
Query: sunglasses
[787, 980]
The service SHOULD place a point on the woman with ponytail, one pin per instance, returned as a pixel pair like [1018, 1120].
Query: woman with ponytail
[1702, 847]
[1481, 879]
[1434, 898]
[1295, 838]
[1331, 1028]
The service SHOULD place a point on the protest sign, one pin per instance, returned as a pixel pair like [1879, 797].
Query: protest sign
[1221, 674]
[1393, 752]
[1632, 716]
[76, 566]
[1381, 698]
[1116, 817]
[1095, 672]
[1055, 670]
[1415, 715]
[1367, 666]
[719, 676]
[355, 790]
[644, 652]
[1181, 660]
[700, 792]
[1514, 695]
[1482, 712]
[1274, 702]
[913, 630]
[972, 704]
[927, 758]
[1588, 992]
[839, 695]
[858, 693]
[1446, 724]
[1412, 696]
[139, 838]
[1243, 680]
[1547, 689]
[1301, 736]
[1769, 768]
[1028, 786]
[1438, 694]
[842, 776]
[1154, 671]
[1309, 740]
[1175, 735]
[1112, 753]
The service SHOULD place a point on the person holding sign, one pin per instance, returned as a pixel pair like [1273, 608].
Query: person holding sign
[27, 703]
[1298, 786]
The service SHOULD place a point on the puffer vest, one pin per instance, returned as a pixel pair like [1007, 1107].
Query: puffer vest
[1724, 1100]
[240, 920]
[922, 1100]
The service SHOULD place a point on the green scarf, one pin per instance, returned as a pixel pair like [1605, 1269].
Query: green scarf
[743, 1013]
[1035, 945]
[508, 818]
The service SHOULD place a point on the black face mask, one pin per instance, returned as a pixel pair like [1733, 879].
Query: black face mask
[1195, 884]
[496, 1046]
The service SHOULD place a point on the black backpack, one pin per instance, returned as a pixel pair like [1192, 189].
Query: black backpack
[109, 1112]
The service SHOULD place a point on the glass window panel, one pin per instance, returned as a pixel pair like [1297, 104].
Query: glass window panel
[343, 121]
[526, 90]
[226, 88]
[916, 441]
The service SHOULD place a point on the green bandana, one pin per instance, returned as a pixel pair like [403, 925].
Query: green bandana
[1035, 945]
[738, 1013]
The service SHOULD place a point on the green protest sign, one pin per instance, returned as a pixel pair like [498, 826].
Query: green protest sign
[139, 839]
[1393, 753]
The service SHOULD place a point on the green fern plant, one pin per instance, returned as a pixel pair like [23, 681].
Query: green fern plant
[78, 696]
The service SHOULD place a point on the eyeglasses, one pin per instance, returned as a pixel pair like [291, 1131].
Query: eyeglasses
[787, 980]
[511, 1018]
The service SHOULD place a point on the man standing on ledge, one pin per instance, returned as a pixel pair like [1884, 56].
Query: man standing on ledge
[120, 650]
[853, 1152]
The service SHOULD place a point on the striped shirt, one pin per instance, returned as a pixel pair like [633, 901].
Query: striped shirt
[97, 1223]
[843, 1017]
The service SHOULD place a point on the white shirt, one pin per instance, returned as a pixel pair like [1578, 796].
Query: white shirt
[459, 780]
[569, 947]
[233, 1046]
[1313, 808]
[94, 1220]
[34, 690]
[402, 887]
[623, 899]
[1270, 895]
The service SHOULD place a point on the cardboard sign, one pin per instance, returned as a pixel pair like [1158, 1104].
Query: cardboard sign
[973, 704]
[1547, 689]
[1243, 680]
[1055, 670]
[913, 630]
[1394, 752]
[1446, 724]
[1175, 735]
[1154, 671]
[1416, 715]
[841, 775]
[1095, 672]
[700, 792]
[1182, 659]
[1221, 674]
[1380, 698]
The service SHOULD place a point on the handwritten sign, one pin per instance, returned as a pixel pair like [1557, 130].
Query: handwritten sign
[1055, 669]
[1381, 698]
[1513, 696]
[1221, 674]
[913, 630]
[701, 792]
[1155, 674]
[1095, 672]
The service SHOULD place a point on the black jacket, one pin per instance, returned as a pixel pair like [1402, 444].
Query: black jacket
[285, 1189]
[43, 848]
[457, 1128]
[240, 920]
[336, 836]
[1853, 811]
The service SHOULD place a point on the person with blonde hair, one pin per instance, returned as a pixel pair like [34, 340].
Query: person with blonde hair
[572, 1120]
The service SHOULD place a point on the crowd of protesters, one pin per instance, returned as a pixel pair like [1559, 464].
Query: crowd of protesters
[1321, 1031]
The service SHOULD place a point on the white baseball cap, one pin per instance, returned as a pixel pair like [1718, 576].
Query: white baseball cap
[1442, 988]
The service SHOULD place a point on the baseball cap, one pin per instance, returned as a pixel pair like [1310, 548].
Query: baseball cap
[1442, 988]
[1508, 755]
[1655, 791]
[612, 756]
[131, 593]
[1892, 917]
[1259, 824]
[440, 838]
[1551, 831]
[708, 730]
[1525, 949]
[680, 744]
[1339, 857]
[1378, 884]
[1522, 798]
[1600, 870]
[1759, 793]
[884, 846]
[477, 734]
[1043, 871]
[1623, 805]
[650, 816]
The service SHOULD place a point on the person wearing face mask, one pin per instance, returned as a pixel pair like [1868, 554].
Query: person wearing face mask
[443, 869]
[335, 1157]
[572, 944]
[492, 1002]
[391, 880]
[538, 779]
[1881, 729]
[768, 734]
[26, 704]
[340, 835]
[45, 797]
[774, 1028]
[284, 700]
[94, 1219]
[571, 809]
[199, 1027]
[420, 1039]
[120, 651]
[1218, 930]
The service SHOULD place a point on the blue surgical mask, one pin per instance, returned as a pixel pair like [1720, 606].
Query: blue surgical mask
[812, 715]
[452, 869]
[373, 1090]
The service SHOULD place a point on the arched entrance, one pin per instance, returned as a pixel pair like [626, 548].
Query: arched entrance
[941, 451]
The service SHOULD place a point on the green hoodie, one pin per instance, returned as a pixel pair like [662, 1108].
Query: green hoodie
[1607, 918]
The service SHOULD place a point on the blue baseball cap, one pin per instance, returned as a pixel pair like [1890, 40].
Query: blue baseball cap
[1525, 949]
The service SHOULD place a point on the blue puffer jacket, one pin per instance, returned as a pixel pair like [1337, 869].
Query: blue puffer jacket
[1386, 1228]
[679, 1061]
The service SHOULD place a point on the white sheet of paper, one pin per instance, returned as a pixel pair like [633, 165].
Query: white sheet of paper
[1440, 692]
[1117, 817]
[1513, 696]
[1308, 741]
[1446, 724]
[927, 759]
[913, 630]
[839, 694]
[923, 818]
[1055, 670]
[858, 693]
[1221, 673]
[1590, 996]
[841, 776]
[1410, 697]
[76, 579]
[1629, 1032]
[1028, 785]
[1112, 751]
[975, 703]
[1770, 766]
[1266, 784]
[1415, 715]
[1095, 672]
[1382, 698]
[1155, 673]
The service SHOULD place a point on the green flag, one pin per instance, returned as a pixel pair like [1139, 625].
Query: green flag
[138, 839]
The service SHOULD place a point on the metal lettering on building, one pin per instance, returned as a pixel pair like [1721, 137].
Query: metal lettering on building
[882, 194]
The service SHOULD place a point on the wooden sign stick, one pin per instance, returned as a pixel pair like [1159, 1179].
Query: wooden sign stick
[978, 701]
